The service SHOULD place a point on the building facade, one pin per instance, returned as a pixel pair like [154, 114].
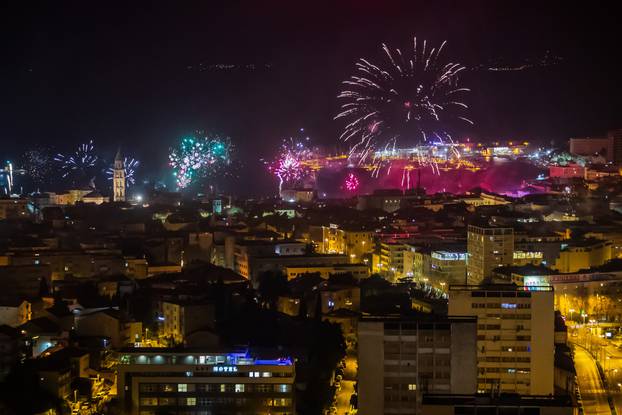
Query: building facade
[179, 318]
[204, 382]
[515, 336]
[332, 239]
[400, 359]
[488, 248]
[582, 255]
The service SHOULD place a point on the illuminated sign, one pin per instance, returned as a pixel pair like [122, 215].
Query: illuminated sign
[527, 255]
[225, 369]
[534, 281]
[449, 256]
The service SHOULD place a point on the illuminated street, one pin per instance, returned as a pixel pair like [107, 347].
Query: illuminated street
[347, 385]
[608, 354]
[593, 394]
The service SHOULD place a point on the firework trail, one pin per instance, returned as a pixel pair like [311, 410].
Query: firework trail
[407, 98]
[82, 161]
[130, 165]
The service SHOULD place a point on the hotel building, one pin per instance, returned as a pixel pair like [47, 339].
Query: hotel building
[202, 382]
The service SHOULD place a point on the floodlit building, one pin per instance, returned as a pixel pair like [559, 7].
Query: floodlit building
[582, 255]
[488, 247]
[200, 381]
[254, 257]
[448, 267]
[400, 359]
[118, 180]
[391, 259]
[15, 311]
[356, 243]
[358, 271]
[515, 335]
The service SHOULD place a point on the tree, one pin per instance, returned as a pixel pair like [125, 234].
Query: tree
[272, 284]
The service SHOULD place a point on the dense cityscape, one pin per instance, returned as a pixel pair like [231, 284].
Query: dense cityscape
[390, 254]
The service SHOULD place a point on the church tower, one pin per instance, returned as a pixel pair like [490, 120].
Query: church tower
[118, 179]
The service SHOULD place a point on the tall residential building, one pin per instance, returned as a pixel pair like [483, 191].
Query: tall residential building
[402, 358]
[488, 247]
[515, 335]
[199, 381]
[391, 259]
[118, 179]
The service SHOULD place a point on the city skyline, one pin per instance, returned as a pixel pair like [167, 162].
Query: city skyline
[258, 74]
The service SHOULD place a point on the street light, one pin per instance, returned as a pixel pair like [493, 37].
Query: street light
[584, 315]
[571, 312]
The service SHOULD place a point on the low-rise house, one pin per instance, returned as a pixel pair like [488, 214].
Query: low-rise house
[14, 311]
[110, 323]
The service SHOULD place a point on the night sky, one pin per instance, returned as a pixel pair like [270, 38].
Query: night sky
[141, 76]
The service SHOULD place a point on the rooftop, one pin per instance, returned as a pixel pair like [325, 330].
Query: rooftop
[500, 400]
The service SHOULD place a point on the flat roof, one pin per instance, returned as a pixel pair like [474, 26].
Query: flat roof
[499, 400]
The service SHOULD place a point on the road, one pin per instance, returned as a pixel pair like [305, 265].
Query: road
[593, 394]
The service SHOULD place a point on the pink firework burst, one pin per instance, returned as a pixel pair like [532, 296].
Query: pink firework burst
[352, 182]
[288, 169]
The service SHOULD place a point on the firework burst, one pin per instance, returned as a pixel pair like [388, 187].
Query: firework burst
[37, 163]
[197, 158]
[406, 99]
[290, 166]
[81, 162]
[352, 182]
[130, 165]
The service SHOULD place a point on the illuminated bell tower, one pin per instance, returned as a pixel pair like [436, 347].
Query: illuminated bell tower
[118, 179]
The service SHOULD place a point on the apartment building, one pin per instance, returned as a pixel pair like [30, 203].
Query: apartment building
[515, 335]
[402, 358]
[488, 247]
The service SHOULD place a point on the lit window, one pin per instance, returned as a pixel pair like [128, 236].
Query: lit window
[266, 374]
[282, 388]
[191, 401]
[149, 401]
[182, 387]
[412, 387]
[223, 387]
[239, 387]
